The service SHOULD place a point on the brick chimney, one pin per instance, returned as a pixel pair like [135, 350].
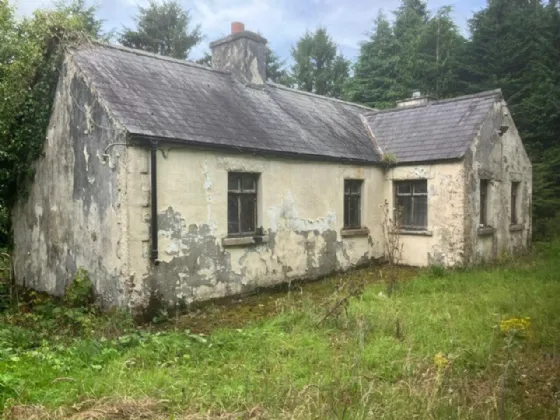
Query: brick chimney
[416, 99]
[242, 53]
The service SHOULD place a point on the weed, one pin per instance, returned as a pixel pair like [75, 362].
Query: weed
[79, 293]
[458, 346]
[437, 271]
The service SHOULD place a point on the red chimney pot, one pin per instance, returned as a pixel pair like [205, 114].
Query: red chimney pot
[237, 27]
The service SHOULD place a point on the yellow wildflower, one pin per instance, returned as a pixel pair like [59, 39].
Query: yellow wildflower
[440, 361]
[516, 326]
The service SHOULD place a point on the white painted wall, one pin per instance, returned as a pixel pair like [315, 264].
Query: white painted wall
[86, 211]
[300, 205]
[444, 245]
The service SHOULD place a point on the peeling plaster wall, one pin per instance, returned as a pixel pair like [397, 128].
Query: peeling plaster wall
[445, 244]
[501, 160]
[72, 215]
[300, 207]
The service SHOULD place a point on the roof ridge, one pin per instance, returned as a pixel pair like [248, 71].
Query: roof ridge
[157, 56]
[482, 94]
[314, 95]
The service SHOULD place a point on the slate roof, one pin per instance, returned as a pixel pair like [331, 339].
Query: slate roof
[161, 97]
[439, 130]
[171, 99]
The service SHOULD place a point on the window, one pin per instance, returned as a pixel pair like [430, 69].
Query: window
[411, 198]
[352, 203]
[514, 204]
[484, 202]
[242, 203]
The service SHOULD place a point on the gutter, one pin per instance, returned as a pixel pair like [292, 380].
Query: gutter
[154, 222]
[142, 139]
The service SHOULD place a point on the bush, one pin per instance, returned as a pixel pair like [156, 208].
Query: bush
[437, 271]
[79, 293]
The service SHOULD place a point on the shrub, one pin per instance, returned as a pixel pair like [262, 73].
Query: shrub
[437, 271]
[79, 293]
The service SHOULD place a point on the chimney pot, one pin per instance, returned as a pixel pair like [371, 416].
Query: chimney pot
[237, 27]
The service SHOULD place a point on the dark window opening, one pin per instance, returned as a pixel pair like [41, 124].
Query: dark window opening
[242, 203]
[411, 198]
[352, 203]
[484, 202]
[514, 204]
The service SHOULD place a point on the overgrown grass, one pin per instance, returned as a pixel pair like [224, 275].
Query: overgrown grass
[437, 348]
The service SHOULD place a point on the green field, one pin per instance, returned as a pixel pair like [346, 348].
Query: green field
[469, 344]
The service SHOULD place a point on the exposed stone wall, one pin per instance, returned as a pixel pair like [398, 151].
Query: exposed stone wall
[442, 243]
[502, 160]
[72, 216]
[300, 208]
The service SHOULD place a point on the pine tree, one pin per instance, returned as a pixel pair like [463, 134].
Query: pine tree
[411, 20]
[515, 46]
[442, 55]
[318, 67]
[163, 28]
[375, 72]
[275, 69]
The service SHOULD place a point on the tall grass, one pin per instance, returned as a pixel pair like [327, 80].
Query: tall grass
[434, 349]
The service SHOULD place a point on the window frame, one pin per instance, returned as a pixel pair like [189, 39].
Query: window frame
[514, 197]
[412, 194]
[239, 193]
[348, 196]
[484, 186]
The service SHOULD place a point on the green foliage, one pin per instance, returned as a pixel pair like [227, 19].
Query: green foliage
[205, 60]
[79, 293]
[318, 67]
[375, 80]
[514, 45]
[31, 53]
[389, 159]
[458, 332]
[437, 271]
[416, 52]
[275, 69]
[163, 28]
[5, 280]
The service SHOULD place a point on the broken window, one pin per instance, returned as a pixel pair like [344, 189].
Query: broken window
[352, 203]
[484, 202]
[242, 203]
[411, 198]
[514, 203]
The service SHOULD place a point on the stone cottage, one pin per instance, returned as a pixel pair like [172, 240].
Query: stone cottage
[170, 180]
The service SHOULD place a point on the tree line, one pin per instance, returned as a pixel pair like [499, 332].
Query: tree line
[513, 45]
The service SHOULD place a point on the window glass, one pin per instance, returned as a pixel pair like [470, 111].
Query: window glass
[248, 183]
[411, 204]
[233, 182]
[514, 202]
[242, 203]
[352, 203]
[483, 202]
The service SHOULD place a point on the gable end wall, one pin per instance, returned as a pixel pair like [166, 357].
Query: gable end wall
[501, 160]
[72, 216]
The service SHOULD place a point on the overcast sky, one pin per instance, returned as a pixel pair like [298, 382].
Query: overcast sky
[282, 22]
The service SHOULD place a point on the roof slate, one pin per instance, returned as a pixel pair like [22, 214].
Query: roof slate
[166, 98]
[172, 99]
[439, 130]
